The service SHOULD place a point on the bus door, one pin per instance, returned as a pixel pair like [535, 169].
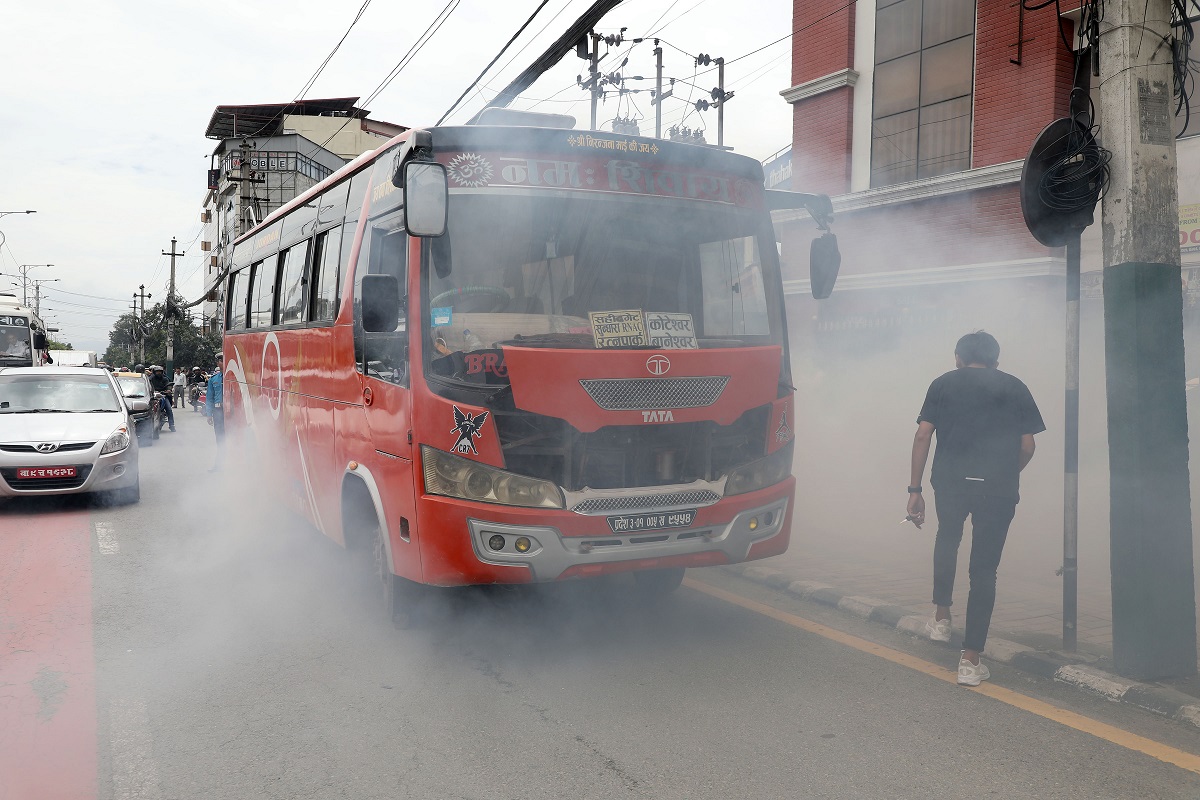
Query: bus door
[381, 353]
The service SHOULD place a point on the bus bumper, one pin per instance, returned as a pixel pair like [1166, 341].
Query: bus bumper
[756, 530]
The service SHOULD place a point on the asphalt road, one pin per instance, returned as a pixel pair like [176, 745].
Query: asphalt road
[203, 644]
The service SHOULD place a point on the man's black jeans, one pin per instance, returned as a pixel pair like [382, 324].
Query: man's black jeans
[990, 518]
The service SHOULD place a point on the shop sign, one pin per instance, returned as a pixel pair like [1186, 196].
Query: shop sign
[1189, 228]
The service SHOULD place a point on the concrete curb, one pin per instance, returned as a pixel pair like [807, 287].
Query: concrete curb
[1047, 664]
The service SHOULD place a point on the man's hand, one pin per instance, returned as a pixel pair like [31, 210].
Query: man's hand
[916, 509]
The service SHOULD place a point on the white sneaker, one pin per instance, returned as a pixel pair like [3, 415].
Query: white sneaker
[938, 630]
[971, 674]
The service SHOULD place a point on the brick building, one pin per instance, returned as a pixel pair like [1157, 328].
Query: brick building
[915, 116]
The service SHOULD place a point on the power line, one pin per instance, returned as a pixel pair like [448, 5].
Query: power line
[496, 58]
[309, 84]
[92, 296]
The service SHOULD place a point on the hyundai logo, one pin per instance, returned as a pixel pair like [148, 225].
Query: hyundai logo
[658, 365]
[47, 447]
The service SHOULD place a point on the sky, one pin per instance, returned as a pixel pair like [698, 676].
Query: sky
[104, 104]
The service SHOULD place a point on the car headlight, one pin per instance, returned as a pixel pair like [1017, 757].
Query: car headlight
[452, 476]
[117, 442]
[761, 473]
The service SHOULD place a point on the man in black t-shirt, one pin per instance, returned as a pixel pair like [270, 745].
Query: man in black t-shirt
[985, 421]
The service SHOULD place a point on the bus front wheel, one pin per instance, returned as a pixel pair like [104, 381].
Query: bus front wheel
[399, 594]
[657, 583]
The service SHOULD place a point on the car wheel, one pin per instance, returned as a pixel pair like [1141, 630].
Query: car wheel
[127, 496]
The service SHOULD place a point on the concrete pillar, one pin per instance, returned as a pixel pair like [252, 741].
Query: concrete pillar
[1153, 593]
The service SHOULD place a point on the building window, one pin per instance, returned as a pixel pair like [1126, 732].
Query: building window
[924, 74]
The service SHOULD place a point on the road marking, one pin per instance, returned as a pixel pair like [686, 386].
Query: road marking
[134, 774]
[106, 540]
[47, 658]
[1101, 730]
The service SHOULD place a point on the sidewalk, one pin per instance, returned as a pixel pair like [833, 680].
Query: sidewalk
[886, 576]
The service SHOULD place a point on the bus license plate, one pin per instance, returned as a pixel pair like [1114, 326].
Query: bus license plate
[27, 473]
[632, 523]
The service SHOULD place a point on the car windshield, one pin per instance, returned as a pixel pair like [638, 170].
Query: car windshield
[132, 386]
[533, 268]
[56, 394]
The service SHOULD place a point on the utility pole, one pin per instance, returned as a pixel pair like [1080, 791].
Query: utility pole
[1153, 591]
[24, 276]
[170, 310]
[141, 294]
[133, 333]
[37, 294]
[658, 90]
[594, 72]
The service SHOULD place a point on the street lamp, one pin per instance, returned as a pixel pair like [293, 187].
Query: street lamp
[5, 214]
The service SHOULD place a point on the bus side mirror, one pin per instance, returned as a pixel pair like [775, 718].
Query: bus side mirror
[39, 340]
[380, 303]
[824, 261]
[426, 197]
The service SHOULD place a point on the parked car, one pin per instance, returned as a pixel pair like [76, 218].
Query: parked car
[135, 388]
[66, 430]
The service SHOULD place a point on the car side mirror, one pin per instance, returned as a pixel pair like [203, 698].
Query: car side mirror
[824, 261]
[137, 406]
[380, 303]
[426, 198]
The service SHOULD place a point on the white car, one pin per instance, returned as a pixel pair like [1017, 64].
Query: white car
[66, 430]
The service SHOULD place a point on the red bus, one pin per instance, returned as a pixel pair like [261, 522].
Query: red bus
[567, 359]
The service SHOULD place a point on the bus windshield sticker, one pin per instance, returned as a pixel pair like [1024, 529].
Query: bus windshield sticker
[443, 315]
[19, 322]
[618, 328]
[668, 330]
[468, 427]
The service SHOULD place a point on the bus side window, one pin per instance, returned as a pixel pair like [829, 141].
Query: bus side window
[262, 293]
[291, 284]
[323, 282]
[235, 309]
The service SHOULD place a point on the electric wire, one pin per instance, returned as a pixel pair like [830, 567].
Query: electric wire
[495, 58]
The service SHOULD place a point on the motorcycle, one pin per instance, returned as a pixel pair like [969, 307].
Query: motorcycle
[162, 401]
[196, 396]
[157, 417]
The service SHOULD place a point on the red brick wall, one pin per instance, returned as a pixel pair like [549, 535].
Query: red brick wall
[821, 133]
[1013, 103]
[822, 125]
[828, 45]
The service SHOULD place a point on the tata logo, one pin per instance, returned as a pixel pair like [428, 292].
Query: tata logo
[658, 365]
[658, 416]
[47, 447]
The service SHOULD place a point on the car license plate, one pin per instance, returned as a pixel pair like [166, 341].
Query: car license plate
[632, 523]
[28, 473]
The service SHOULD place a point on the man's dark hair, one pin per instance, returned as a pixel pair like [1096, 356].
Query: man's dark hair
[979, 347]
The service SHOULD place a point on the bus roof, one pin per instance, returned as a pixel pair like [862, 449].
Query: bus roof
[541, 142]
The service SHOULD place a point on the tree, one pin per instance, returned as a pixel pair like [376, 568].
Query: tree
[55, 344]
[192, 348]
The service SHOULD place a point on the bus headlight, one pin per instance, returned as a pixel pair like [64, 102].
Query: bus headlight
[453, 476]
[117, 442]
[761, 473]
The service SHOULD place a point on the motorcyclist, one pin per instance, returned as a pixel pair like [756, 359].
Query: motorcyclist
[196, 381]
[162, 384]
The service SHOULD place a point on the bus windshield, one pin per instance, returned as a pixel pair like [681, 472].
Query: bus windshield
[527, 268]
[15, 343]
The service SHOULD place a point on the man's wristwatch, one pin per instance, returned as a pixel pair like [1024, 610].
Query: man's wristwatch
[914, 490]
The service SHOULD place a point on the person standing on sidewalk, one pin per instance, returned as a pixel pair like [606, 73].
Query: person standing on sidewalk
[180, 388]
[985, 421]
[214, 411]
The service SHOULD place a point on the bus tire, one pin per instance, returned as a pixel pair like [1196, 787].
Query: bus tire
[400, 596]
[653, 584]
